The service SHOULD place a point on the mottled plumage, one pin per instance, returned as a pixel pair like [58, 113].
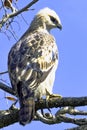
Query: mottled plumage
[32, 63]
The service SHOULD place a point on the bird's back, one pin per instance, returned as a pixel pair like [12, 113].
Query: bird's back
[37, 51]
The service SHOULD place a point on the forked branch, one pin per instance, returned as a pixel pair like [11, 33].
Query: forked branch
[65, 105]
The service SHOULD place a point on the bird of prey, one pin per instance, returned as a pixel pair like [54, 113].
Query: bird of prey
[32, 63]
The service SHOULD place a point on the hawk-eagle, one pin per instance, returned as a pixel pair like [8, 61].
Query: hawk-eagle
[32, 63]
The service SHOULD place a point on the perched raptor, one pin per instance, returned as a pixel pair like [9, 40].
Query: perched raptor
[32, 63]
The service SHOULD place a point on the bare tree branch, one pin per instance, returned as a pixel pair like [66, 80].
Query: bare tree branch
[8, 117]
[66, 119]
[13, 14]
[66, 104]
[23, 9]
[3, 72]
[11, 116]
[83, 127]
[62, 102]
[6, 88]
[71, 110]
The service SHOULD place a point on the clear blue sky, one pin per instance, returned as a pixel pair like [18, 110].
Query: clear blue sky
[71, 76]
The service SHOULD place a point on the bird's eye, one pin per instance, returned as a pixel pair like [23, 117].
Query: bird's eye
[53, 20]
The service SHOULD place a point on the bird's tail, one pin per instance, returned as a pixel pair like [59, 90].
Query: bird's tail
[27, 104]
[27, 111]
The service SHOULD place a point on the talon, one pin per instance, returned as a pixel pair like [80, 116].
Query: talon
[55, 95]
[52, 95]
[47, 98]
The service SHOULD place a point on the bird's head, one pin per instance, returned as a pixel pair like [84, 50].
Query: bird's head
[49, 18]
[46, 19]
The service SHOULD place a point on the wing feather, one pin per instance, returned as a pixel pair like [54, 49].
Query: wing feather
[32, 60]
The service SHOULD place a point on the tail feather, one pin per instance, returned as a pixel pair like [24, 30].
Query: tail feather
[27, 103]
[27, 111]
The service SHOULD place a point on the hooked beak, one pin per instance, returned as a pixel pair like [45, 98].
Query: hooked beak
[59, 26]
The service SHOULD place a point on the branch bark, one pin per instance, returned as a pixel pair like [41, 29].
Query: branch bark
[11, 116]
[62, 102]
[66, 105]
[8, 117]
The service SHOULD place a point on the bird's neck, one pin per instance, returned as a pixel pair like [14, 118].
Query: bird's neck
[38, 25]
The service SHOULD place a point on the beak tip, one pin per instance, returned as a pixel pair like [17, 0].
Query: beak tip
[59, 26]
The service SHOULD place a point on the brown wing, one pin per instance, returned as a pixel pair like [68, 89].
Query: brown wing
[31, 60]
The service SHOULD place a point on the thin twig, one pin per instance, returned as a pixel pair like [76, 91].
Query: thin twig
[6, 88]
[71, 111]
[5, 72]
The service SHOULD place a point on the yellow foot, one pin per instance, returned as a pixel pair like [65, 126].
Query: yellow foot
[52, 95]
[55, 96]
